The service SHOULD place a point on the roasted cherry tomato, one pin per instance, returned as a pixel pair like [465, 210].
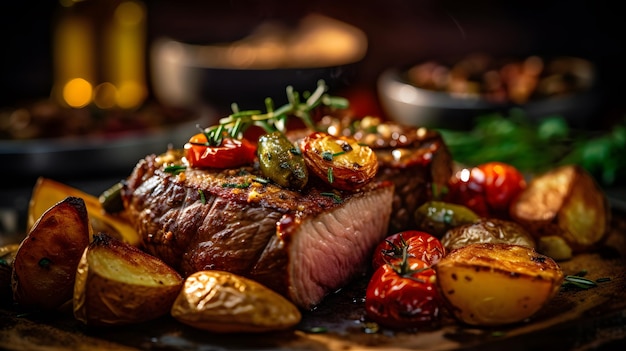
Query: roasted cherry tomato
[230, 153]
[488, 189]
[421, 245]
[339, 161]
[403, 295]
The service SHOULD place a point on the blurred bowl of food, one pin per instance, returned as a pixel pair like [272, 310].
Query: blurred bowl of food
[42, 138]
[264, 63]
[450, 96]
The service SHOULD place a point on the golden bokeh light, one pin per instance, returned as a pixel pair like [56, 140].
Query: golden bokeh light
[130, 94]
[105, 95]
[129, 13]
[77, 93]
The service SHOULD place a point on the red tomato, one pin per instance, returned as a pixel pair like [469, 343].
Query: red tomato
[230, 153]
[403, 297]
[419, 244]
[488, 189]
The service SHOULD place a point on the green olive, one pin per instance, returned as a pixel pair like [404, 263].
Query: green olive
[437, 217]
[111, 199]
[281, 161]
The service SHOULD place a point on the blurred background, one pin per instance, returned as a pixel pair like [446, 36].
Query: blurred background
[399, 32]
[136, 76]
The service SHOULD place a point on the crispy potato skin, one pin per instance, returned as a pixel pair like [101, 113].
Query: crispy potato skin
[117, 283]
[492, 284]
[45, 263]
[47, 192]
[487, 230]
[223, 302]
[566, 202]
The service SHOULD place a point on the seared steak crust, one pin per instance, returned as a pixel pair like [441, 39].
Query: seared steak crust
[301, 244]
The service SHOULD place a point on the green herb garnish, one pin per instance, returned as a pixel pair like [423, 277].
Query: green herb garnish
[336, 198]
[578, 282]
[236, 185]
[327, 155]
[273, 120]
[330, 175]
[202, 197]
[537, 146]
[174, 169]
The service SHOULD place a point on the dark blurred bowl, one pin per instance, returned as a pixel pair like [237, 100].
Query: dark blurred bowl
[405, 102]
[246, 71]
[95, 154]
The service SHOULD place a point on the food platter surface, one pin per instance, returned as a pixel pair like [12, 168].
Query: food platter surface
[582, 295]
[575, 319]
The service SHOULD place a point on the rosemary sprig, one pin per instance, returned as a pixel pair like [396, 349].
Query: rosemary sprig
[202, 197]
[175, 169]
[336, 197]
[234, 125]
[579, 282]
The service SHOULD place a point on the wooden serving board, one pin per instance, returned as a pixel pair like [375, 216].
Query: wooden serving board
[574, 319]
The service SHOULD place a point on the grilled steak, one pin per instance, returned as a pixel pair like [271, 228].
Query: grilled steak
[300, 244]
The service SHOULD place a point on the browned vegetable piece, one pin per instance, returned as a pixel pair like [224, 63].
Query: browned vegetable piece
[339, 161]
[497, 284]
[117, 283]
[555, 247]
[45, 264]
[487, 230]
[7, 256]
[224, 302]
[567, 202]
[437, 217]
[47, 192]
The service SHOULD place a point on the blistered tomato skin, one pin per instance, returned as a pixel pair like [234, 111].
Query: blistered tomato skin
[403, 301]
[339, 161]
[419, 244]
[487, 189]
[230, 153]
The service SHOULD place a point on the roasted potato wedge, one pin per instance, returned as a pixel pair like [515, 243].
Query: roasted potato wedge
[494, 284]
[567, 202]
[487, 230]
[7, 256]
[117, 283]
[47, 192]
[45, 263]
[224, 302]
